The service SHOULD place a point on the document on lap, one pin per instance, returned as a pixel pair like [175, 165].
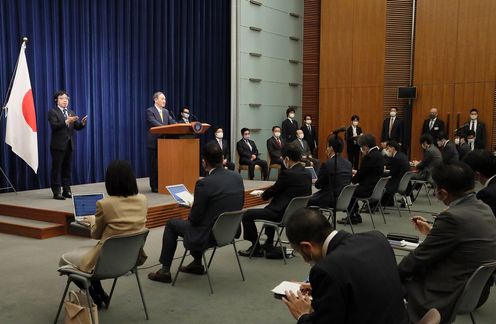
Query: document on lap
[186, 197]
[256, 192]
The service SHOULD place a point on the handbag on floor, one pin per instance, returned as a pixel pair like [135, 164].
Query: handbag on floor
[77, 310]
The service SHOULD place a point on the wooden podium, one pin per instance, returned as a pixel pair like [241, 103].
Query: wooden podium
[178, 150]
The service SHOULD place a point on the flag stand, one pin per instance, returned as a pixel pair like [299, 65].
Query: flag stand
[2, 113]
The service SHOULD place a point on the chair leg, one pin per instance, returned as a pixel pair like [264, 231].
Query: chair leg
[180, 265]
[237, 258]
[370, 213]
[141, 292]
[282, 247]
[427, 193]
[351, 225]
[111, 292]
[472, 317]
[398, 206]
[382, 212]
[257, 242]
[62, 300]
[88, 298]
[208, 275]
[211, 257]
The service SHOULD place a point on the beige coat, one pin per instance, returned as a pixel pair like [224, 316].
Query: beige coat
[114, 216]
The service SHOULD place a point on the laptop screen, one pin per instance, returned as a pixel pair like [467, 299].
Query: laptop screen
[85, 205]
[174, 190]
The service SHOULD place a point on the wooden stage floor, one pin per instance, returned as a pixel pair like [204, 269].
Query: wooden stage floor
[34, 213]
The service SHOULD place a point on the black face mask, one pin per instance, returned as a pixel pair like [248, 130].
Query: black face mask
[432, 116]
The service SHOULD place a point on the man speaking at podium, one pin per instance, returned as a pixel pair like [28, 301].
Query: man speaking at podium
[156, 115]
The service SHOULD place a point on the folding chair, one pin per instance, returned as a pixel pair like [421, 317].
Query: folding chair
[342, 202]
[375, 198]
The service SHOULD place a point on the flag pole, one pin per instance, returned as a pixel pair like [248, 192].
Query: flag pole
[4, 107]
[2, 113]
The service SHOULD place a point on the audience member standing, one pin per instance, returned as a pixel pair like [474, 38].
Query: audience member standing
[248, 155]
[353, 280]
[433, 125]
[309, 133]
[462, 238]
[289, 126]
[351, 137]
[478, 128]
[392, 128]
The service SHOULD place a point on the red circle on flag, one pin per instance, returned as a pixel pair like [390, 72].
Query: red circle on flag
[28, 110]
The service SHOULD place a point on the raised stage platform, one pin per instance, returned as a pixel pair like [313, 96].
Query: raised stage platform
[35, 214]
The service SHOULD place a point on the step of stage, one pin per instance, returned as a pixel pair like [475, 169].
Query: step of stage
[29, 227]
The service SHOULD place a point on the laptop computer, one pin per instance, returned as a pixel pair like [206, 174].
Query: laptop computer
[312, 172]
[181, 194]
[85, 205]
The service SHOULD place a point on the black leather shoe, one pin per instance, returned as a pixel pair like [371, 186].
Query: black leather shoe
[258, 253]
[67, 194]
[58, 196]
[154, 190]
[164, 277]
[193, 268]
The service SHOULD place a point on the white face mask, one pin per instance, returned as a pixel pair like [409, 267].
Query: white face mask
[277, 134]
[285, 164]
[291, 115]
[392, 113]
[355, 123]
[471, 140]
[219, 135]
[246, 137]
[440, 143]
[308, 121]
[301, 136]
[473, 117]
[389, 153]
[457, 141]
[185, 115]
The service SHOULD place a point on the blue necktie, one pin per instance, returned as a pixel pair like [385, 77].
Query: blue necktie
[65, 113]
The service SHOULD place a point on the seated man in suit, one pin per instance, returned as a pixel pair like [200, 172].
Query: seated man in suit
[462, 238]
[274, 147]
[483, 163]
[289, 126]
[398, 165]
[371, 170]
[221, 191]
[248, 155]
[224, 146]
[461, 143]
[354, 278]
[185, 116]
[306, 154]
[448, 148]
[330, 179]
[432, 158]
[309, 133]
[295, 181]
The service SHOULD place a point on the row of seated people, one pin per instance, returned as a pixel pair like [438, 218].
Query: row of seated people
[433, 275]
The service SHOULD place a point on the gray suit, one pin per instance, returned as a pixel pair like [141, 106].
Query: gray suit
[305, 152]
[462, 238]
[449, 153]
[432, 158]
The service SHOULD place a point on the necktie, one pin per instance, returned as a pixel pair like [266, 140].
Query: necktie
[472, 125]
[161, 115]
[302, 146]
[220, 144]
[309, 128]
[248, 143]
[391, 122]
[431, 124]
[278, 142]
[65, 113]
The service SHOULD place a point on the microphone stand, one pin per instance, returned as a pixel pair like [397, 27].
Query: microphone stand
[333, 184]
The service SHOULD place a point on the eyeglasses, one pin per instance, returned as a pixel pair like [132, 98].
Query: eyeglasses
[63, 98]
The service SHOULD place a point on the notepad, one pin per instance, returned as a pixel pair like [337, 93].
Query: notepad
[286, 286]
[181, 195]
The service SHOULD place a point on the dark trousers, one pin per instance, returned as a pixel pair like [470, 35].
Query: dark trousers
[276, 160]
[173, 229]
[251, 167]
[354, 155]
[153, 167]
[249, 228]
[310, 161]
[61, 169]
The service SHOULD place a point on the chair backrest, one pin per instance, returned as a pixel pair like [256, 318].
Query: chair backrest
[119, 254]
[379, 189]
[431, 317]
[405, 181]
[295, 204]
[226, 226]
[469, 298]
[345, 196]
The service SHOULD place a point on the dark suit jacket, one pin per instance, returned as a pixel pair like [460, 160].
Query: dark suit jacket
[462, 238]
[288, 130]
[328, 179]
[398, 166]
[357, 282]
[350, 140]
[182, 121]
[449, 153]
[292, 182]
[432, 158]
[225, 148]
[152, 120]
[244, 151]
[310, 136]
[61, 133]
[273, 148]
[480, 134]
[305, 149]
[371, 170]
[219, 192]
[488, 195]
[436, 128]
[397, 133]
[463, 149]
